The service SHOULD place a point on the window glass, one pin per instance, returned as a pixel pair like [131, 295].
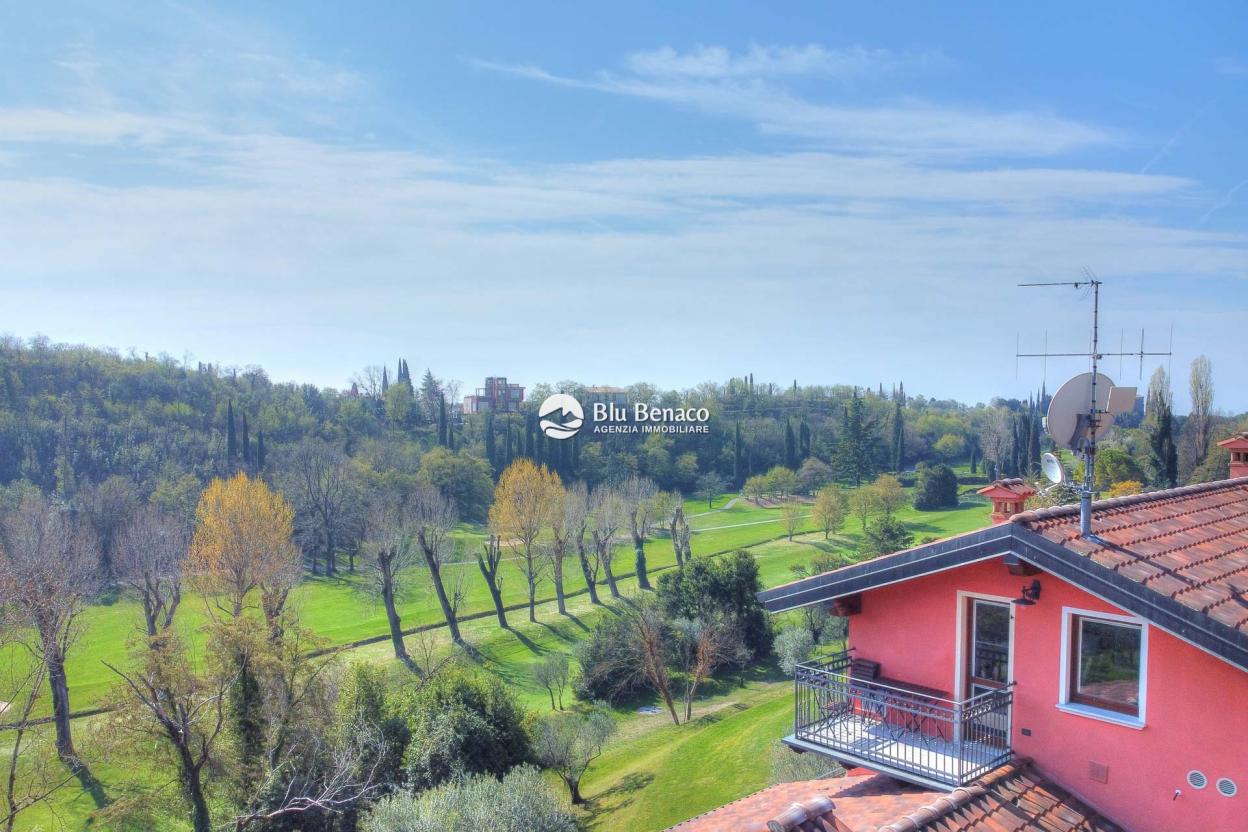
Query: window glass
[1107, 673]
[992, 642]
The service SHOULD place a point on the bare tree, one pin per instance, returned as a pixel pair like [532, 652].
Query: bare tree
[326, 496]
[646, 655]
[489, 561]
[1202, 406]
[576, 521]
[435, 518]
[31, 776]
[701, 646]
[567, 533]
[48, 570]
[107, 507]
[995, 436]
[391, 540]
[607, 515]
[149, 556]
[639, 493]
[184, 708]
[678, 528]
[791, 514]
[553, 672]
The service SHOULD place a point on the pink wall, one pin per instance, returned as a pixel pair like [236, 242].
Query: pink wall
[1196, 706]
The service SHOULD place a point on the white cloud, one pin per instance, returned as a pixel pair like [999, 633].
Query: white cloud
[715, 82]
[716, 62]
[1234, 67]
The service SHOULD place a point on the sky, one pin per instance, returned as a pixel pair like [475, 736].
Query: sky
[663, 192]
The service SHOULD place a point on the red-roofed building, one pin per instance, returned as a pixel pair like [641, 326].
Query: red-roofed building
[1008, 497]
[1117, 663]
[1238, 446]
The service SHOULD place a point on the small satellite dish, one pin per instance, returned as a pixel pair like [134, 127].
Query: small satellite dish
[1052, 468]
[1068, 420]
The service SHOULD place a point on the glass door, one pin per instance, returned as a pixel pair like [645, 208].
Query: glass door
[988, 648]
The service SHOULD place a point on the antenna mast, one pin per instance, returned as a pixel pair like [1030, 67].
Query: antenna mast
[1088, 447]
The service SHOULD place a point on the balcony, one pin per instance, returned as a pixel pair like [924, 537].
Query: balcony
[907, 731]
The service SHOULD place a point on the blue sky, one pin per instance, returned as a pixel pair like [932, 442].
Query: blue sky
[623, 192]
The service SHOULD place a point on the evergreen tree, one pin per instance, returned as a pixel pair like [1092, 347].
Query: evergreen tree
[790, 446]
[231, 440]
[260, 451]
[443, 427]
[736, 455]
[1033, 445]
[246, 442]
[385, 381]
[854, 460]
[899, 436]
[491, 451]
[803, 439]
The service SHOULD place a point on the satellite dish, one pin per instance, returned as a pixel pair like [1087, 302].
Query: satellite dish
[1052, 468]
[1068, 421]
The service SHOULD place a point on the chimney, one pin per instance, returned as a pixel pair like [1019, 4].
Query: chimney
[1007, 497]
[1238, 446]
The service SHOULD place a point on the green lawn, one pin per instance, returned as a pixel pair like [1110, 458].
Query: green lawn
[653, 775]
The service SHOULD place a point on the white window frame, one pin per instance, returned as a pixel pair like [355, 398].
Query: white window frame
[963, 637]
[1069, 614]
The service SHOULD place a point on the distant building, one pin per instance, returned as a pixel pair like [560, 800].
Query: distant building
[497, 396]
[609, 395]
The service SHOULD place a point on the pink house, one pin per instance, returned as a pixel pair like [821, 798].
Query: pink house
[1116, 665]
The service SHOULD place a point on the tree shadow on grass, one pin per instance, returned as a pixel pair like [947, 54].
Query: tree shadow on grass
[91, 785]
[601, 806]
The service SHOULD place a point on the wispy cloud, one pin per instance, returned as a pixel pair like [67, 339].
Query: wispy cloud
[746, 86]
[760, 61]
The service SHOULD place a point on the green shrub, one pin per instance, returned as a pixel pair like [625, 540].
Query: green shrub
[522, 801]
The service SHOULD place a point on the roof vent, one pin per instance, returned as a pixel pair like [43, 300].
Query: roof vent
[1197, 779]
[1226, 787]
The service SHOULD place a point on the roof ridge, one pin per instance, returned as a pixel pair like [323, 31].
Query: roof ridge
[1053, 512]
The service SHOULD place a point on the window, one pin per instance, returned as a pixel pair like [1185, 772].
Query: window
[1106, 665]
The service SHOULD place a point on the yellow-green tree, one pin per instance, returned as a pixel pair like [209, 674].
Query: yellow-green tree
[829, 509]
[242, 543]
[527, 499]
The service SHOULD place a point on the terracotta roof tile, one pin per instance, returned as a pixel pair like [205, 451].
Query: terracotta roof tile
[1014, 798]
[1189, 544]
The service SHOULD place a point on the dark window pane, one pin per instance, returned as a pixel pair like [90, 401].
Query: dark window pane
[1109, 663]
[992, 642]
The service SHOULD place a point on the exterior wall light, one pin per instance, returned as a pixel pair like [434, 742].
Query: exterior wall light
[1031, 594]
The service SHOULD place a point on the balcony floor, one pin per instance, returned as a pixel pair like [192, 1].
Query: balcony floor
[907, 754]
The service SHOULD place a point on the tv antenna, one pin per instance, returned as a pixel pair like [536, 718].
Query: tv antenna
[1085, 406]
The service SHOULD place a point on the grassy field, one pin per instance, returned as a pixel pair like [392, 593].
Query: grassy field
[654, 773]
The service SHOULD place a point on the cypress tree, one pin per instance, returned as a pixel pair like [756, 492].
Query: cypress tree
[899, 436]
[246, 441]
[736, 455]
[510, 454]
[260, 451]
[385, 381]
[491, 452]
[231, 440]
[803, 438]
[790, 445]
[443, 429]
[1033, 446]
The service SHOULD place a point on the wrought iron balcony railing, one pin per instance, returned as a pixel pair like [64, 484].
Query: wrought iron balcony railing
[902, 729]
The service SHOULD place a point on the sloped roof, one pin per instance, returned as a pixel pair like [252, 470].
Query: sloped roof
[1178, 558]
[1014, 798]
[868, 801]
[1189, 544]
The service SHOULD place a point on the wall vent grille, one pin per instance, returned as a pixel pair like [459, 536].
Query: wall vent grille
[1197, 779]
[1226, 787]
